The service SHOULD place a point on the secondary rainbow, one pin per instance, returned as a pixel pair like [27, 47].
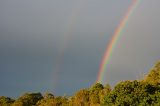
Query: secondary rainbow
[117, 34]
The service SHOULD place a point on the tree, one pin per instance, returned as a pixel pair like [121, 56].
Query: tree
[81, 98]
[48, 95]
[5, 101]
[133, 93]
[97, 87]
[28, 99]
[94, 92]
[154, 75]
[104, 92]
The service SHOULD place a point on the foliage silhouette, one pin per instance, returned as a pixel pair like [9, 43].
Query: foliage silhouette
[144, 92]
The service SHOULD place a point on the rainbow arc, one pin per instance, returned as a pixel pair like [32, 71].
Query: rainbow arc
[117, 34]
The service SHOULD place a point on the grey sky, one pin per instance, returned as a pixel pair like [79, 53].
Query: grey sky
[33, 34]
[138, 48]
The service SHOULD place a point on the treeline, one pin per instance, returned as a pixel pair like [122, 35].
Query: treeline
[145, 92]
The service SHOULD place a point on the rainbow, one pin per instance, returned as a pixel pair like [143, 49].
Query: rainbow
[117, 34]
[77, 8]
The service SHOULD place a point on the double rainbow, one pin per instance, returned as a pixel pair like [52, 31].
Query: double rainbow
[117, 34]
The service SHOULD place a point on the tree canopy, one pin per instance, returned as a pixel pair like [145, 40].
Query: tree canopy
[144, 92]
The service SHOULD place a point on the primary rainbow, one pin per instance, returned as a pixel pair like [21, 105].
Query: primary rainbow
[118, 32]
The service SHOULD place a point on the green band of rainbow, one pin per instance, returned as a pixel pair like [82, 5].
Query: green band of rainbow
[117, 34]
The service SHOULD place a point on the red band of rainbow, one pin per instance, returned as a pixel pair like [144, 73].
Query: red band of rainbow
[118, 32]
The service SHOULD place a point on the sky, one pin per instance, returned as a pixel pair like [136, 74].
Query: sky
[57, 45]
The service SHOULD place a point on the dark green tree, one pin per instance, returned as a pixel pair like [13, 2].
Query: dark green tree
[28, 99]
[132, 93]
[5, 101]
[94, 93]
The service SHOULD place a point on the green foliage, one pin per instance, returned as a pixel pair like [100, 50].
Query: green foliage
[97, 87]
[28, 99]
[154, 75]
[126, 93]
[61, 101]
[5, 101]
[48, 96]
[133, 93]
[94, 92]
[53, 101]
[105, 91]
[80, 98]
